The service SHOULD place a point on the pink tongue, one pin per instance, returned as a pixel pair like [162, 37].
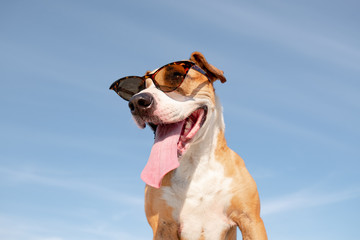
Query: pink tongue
[163, 157]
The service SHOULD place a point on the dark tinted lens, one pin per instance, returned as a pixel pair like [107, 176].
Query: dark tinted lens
[170, 77]
[128, 87]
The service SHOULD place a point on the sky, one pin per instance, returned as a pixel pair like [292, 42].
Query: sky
[71, 156]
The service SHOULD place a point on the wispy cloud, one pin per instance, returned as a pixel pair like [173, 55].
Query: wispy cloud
[14, 228]
[107, 233]
[283, 126]
[326, 46]
[306, 199]
[17, 228]
[71, 224]
[23, 176]
[103, 145]
[50, 238]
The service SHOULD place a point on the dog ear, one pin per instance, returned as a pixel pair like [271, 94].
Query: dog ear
[212, 72]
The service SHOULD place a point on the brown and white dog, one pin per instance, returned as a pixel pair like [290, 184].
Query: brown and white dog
[210, 191]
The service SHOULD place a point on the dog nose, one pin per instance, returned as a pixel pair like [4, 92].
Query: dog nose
[140, 102]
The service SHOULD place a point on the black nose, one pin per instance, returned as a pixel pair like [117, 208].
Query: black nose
[140, 102]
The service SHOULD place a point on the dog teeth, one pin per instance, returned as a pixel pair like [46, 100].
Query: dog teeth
[188, 125]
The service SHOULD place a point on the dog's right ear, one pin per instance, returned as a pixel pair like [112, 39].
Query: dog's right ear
[212, 72]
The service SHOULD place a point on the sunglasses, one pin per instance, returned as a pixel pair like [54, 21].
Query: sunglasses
[167, 79]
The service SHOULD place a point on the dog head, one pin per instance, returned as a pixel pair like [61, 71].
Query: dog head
[177, 117]
[194, 97]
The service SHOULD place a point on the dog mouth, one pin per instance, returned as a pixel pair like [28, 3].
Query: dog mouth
[191, 125]
[171, 142]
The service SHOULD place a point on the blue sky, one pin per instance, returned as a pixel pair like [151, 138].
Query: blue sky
[71, 156]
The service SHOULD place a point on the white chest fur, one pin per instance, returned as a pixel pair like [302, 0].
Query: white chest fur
[200, 194]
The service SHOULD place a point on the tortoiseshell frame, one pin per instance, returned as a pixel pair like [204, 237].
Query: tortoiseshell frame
[187, 65]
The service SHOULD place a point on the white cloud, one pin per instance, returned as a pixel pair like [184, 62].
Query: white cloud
[95, 144]
[15, 228]
[33, 177]
[306, 199]
[283, 125]
[326, 46]
[50, 238]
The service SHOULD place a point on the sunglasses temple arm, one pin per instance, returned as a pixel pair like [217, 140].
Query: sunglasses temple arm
[200, 70]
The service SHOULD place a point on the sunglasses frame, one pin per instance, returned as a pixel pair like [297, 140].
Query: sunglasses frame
[186, 64]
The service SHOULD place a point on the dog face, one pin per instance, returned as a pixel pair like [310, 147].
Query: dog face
[193, 101]
[178, 116]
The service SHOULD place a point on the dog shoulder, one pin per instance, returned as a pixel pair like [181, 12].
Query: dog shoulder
[243, 185]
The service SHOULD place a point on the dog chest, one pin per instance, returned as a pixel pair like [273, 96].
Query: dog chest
[199, 201]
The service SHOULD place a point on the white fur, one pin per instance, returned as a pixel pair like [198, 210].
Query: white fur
[200, 193]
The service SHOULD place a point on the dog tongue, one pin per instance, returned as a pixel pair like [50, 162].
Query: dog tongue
[163, 157]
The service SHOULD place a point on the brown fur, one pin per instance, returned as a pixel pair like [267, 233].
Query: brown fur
[244, 209]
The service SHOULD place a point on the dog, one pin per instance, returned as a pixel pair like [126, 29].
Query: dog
[196, 186]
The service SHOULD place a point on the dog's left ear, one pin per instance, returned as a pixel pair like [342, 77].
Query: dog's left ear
[212, 72]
